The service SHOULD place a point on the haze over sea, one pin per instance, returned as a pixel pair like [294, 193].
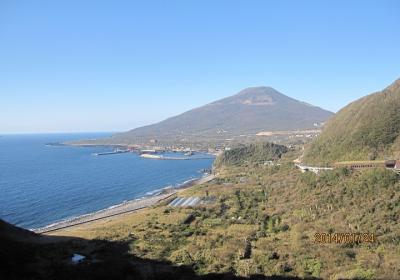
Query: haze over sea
[41, 184]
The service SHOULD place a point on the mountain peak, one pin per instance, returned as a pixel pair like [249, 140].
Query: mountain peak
[248, 112]
[258, 91]
[261, 96]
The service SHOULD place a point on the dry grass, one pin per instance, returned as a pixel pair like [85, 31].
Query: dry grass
[276, 210]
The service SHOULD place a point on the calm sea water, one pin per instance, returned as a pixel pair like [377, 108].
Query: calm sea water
[41, 184]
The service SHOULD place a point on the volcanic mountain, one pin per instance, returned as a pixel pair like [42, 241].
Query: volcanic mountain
[250, 111]
[366, 129]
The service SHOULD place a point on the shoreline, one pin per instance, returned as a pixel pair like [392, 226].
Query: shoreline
[126, 146]
[124, 207]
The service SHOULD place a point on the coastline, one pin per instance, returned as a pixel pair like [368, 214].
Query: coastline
[126, 146]
[125, 207]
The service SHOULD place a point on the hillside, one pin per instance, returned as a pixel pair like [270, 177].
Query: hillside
[368, 128]
[258, 152]
[262, 222]
[250, 111]
[49, 257]
[10, 232]
[265, 220]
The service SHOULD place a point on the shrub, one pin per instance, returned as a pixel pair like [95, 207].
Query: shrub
[361, 274]
[255, 153]
[312, 267]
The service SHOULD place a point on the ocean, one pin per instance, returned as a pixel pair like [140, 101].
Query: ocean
[41, 184]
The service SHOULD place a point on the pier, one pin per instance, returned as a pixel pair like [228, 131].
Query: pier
[112, 153]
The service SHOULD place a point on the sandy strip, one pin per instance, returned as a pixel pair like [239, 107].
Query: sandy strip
[129, 206]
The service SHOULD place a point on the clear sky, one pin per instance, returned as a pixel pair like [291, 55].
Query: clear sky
[115, 65]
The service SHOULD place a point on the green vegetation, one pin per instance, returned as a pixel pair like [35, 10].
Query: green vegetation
[264, 221]
[254, 153]
[366, 129]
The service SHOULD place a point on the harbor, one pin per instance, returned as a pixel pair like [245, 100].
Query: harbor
[159, 154]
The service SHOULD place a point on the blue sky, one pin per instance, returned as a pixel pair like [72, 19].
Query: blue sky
[115, 65]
